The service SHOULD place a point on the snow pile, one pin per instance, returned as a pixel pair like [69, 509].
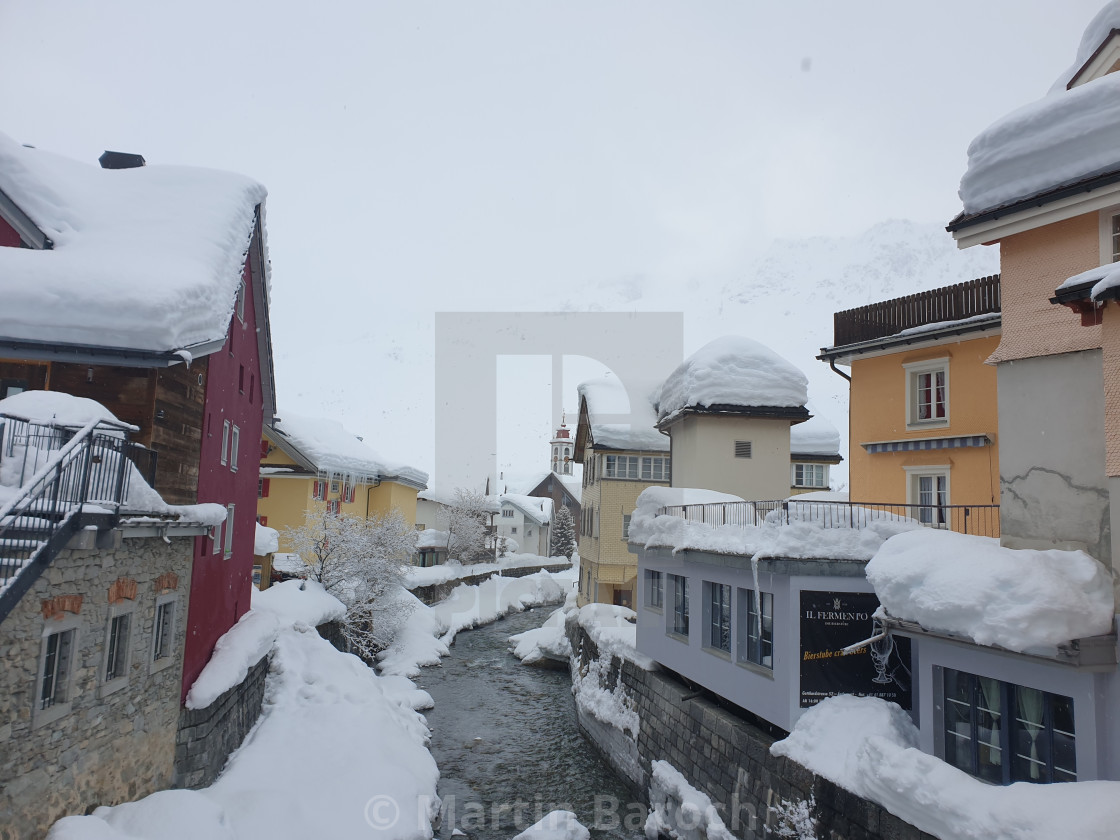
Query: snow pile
[432, 538]
[732, 370]
[607, 399]
[1023, 600]
[1062, 138]
[336, 452]
[352, 740]
[804, 536]
[265, 540]
[868, 746]
[556, 825]
[1095, 33]
[614, 632]
[109, 228]
[816, 436]
[427, 632]
[679, 810]
[607, 703]
[58, 408]
[243, 645]
[547, 643]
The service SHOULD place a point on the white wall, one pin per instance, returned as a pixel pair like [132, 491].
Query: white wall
[703, 451]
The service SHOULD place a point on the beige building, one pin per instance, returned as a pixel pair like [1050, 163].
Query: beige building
[620, 460]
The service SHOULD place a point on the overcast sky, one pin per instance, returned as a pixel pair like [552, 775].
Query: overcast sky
[464, 155]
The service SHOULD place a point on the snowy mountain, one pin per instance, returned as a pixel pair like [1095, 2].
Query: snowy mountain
[783, 295]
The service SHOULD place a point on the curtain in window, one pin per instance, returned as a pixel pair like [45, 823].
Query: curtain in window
[988, 729]
[1031, 706]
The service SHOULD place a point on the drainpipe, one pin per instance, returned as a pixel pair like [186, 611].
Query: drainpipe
[837, 371]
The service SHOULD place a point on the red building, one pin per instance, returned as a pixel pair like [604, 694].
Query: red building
[146, 289]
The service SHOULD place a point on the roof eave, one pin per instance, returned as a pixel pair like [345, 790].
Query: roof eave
[846, 351]
[966, 220]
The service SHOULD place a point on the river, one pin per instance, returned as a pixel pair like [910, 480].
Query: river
[508, 748]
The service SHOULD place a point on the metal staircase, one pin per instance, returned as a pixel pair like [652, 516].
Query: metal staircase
[55, 480]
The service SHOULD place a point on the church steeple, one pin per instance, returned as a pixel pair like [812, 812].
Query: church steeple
[561, 444]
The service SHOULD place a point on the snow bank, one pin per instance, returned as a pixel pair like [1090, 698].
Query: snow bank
[679, 810]
[109, 228]
[337, 452]
[243, 645]
[1022, 600]
[732, 370]
[265, 540]
[868, 746]
[1062, 138]
[613, 630]
[427, 632]
[556, 825]
[803, 537]
[337, 752]
[547, 643]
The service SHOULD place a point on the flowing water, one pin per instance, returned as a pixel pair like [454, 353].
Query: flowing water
[508, 748]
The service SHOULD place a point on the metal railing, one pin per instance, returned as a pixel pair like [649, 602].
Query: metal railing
[54, 472]
[979, 520]
[890, 317]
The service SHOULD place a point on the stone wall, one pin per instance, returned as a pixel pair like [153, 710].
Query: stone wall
[104, 742]
[724, 755]
[438, 591]
[206, 737]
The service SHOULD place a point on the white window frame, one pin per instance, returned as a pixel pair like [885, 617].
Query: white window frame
[913, 371]
[626, 527]
[171, 601]
[67, 623]
[793, 482]
[227, 542]
[1107, 246]
[507, 513]
[235, 445]
[225, 442]
[125, 608]
[913, 474]
[241, 300]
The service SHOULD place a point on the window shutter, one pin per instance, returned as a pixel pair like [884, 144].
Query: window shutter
[264, 488]
[742, 449]
[264, 449]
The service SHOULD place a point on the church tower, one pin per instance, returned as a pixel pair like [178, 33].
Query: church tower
[562, 444]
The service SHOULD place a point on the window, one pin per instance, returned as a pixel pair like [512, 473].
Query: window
[928, 489]
[1003, 733]
[225, 442]
[927, 397]
[719, 616]
[334, 487]
[334, 507]
[216, 537]
[742, 449]
[228, 546]
[241, 378]
[622, 466]
[655, 469]
[252, 386]
[116, 653]
[679, 586]
[655, 590]
[241, 301]
[625, 527]
[58, 662]
[163, 630]
[810, 475]
[234, 443]
[348, 493]
[1110, 235]
[319, 490]
[755, 637]
[507, 513]
[635, 467]
[513, 530]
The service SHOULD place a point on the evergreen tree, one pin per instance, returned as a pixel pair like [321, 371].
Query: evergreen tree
[563, 533]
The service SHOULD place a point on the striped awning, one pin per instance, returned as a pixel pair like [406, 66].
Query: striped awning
[924, 444]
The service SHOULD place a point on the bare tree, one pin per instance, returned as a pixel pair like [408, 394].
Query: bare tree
[467, 520]
[362, 563]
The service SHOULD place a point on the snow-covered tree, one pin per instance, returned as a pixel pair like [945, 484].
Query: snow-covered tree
[362, 563]
[467, 520]
[563, 534]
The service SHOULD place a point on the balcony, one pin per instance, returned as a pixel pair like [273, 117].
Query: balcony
[977, 520]
[890, 317]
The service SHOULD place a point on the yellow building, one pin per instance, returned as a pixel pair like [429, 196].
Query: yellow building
[309, 464]
[619, 462]
[923, 418]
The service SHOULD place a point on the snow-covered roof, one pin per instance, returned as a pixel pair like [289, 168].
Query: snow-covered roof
[816, 436]
[143, 259]
[732, 371]
[1066, 137]
[265, 540]
[536, 508]
[607, 398]
[1022, 600]
[431, 538]
[1104, 278]
[330, 449]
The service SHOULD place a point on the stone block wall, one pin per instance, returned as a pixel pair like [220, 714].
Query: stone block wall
[206, 737]
[108, 742]
[725, 756]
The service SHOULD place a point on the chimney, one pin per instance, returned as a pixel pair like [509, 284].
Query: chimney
[120, 160]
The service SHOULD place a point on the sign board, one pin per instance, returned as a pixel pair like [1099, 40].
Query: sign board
[830, 622]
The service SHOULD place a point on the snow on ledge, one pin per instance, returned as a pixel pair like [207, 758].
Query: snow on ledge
[679, 810]
[1026, 601]
[869, 747]
[243, 645]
